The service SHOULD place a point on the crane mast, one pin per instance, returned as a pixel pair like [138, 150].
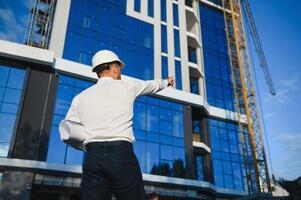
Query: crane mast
[255, 162]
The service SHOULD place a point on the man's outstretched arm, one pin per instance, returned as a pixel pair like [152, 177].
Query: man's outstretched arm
[151, 86]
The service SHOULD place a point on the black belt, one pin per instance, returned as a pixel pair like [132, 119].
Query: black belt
[93, 145]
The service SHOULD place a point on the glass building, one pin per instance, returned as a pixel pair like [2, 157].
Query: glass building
[187, 138]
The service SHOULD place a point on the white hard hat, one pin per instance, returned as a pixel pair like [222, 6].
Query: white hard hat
[105, 56]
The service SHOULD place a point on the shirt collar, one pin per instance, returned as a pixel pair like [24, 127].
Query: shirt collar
[104, 78]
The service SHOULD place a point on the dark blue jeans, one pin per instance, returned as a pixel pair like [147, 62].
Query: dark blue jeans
[111, 167]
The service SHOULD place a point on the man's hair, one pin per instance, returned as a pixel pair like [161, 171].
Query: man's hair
[153, 196]
[102, 67]
[105, 66]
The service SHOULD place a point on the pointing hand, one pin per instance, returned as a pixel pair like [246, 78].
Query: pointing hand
[171, 81]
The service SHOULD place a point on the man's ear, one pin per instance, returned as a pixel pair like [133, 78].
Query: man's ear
[114, 69]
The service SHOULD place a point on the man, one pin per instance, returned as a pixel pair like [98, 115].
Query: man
[100, 122]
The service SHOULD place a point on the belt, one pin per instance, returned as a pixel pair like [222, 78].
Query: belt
[95, 145]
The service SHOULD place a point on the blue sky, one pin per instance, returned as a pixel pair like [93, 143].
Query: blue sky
[279, 26]
[13, 19]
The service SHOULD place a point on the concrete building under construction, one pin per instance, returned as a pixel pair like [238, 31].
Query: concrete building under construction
[187, 138]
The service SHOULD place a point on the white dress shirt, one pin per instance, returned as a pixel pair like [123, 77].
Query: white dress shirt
[104, 111]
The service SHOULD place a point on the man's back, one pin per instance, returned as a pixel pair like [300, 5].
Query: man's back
[106, 110]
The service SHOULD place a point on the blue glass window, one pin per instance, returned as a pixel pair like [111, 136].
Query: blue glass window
[85, 58]
[152, 118]
[140, 117]
[178, 75]
[94, 26]
[216, 60]
[137, 5]
[163, 10]
[163, 38]
[150, 8]
[192, 55]
[177, 43]
[11, 86]
[194, 86]
[59, 152]
[164, 67]
[175, 14]
[227, 159]
[152, 156]
[199, 168]
[140, 151]
[196, 126]
[162, 152]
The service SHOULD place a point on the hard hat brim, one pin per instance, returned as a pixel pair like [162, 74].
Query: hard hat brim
[122, 65]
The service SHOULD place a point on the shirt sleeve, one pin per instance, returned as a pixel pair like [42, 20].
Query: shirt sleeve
[71, 128]
[149, 86]
[72, 114]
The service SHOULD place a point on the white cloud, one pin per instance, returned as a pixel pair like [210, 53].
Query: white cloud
[13, 28]
[269, 114]
[292, 84]
[290, 155]
[286, 87]
[280, 98]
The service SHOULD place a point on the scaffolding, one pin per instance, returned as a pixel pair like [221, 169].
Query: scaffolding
[39, 32]
[257, 174]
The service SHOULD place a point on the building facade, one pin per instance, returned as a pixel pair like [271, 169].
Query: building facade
[187, 137]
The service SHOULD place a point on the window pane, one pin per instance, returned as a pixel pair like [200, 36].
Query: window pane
[228, 181]
[164, 67]
[218, 173]
[163, 38]
[16, 79]
[152, 118]
[89, 30]
[179, 163]
[199, 168]
[139, 116]
[12, 96]
[58, 152]
[178, 75]
[194, 86]
[7, 122]
[56, 148]
[152, 159]
[166, 140]
[225, 154]
[139, 148]
[74, 157]
[151, 8]
[216, 58]
[177, 43]
[165, 128]
[177, 124]
[137, 5]
[175, 14]
[166, 152]
[163, 10]
[4, 71]
[11, 85]
[9, 108]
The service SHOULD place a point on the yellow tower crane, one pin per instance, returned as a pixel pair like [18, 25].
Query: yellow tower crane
[257, 175]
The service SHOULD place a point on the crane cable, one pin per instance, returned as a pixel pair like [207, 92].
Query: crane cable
[260, 105]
